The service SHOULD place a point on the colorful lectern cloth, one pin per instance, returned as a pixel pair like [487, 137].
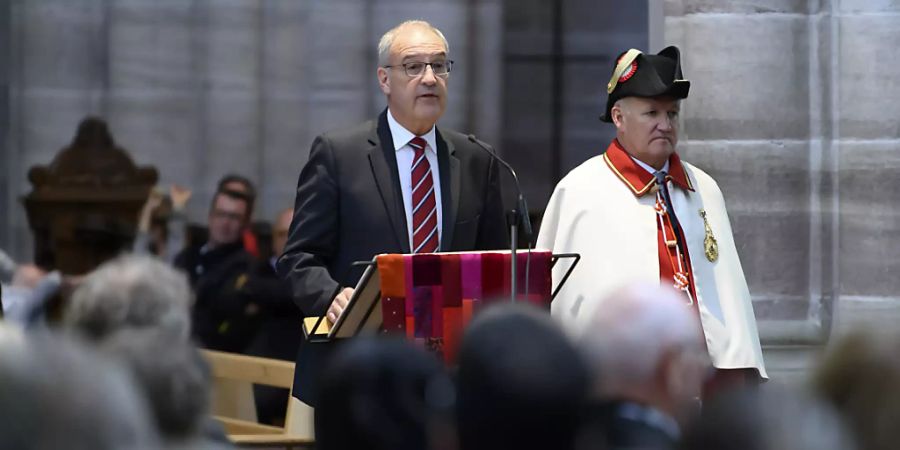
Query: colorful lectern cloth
[431, 297]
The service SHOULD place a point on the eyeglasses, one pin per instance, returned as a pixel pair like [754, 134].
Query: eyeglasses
[219, 214]
[416, 68]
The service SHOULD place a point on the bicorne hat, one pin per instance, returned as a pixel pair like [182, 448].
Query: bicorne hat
[640, 75]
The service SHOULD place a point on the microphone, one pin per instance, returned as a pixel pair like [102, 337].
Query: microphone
[522, 206]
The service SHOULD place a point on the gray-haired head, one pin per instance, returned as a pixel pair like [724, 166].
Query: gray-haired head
[631, 329]
[55, 394]
[645, 344]
[387, 39]
[171, 373]
[131, 292]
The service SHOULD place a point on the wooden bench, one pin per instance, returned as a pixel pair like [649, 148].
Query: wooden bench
[233, 405]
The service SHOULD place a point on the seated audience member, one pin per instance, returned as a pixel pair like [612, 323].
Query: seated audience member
[280, 333]
[649, 364]
[162, 224]
[221, 320]
[280, 329]
[175, 381]
[7, 267]
[521, 383]
[860, 377]
[769, 419]
[27, 289]
[139, 301]
[130, 292]
[382, 394]
[239, 183]
[55, 394]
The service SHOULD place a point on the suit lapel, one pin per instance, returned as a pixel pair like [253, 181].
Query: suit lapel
[448, 167]
[383, 159]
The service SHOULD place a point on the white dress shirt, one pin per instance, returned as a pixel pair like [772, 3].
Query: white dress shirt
[405, 154]
[650, 168]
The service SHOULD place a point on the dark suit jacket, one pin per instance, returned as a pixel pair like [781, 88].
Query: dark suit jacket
[280, 320]
[220, 320]
[349, 207]
[607, 427]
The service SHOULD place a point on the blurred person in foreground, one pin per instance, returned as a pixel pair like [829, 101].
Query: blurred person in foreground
[56, 394]
[521, 383]
[131, 292]
[137, 309]
[384, 394]
[28, 289]
[649, 364]
[773, 418]
[860, 377]
[175, 380]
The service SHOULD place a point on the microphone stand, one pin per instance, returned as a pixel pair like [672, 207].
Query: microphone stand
[514, 217]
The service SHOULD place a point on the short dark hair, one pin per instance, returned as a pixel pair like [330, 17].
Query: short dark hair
[248, 194]
[518, 371]
[249, 187]
[380, 393]
[234, 195]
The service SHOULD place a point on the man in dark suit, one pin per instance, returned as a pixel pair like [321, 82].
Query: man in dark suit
[394, 185]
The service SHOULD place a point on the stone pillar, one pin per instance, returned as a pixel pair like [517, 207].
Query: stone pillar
[558, 56]
[232, 103]
[57, 66]
[867, 131]
[156, 93]
[287, 65]
[200, 88]
[793, 111]
[757, 120]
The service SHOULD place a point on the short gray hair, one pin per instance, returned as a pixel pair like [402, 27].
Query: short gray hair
[387, 40]
[61, 394]
[630, 331]
[131, 292]
[172, 374]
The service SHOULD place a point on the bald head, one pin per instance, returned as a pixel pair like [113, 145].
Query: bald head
[638, 337]
[387, 40]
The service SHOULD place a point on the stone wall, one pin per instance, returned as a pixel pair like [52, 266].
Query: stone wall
[199, 88]
[793, 110]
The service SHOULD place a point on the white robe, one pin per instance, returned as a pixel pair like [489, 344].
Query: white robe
[593, 213]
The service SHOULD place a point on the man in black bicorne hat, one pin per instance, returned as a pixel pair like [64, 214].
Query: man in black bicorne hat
[639, 213]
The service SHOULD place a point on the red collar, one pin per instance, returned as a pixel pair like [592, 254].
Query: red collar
[635, 177]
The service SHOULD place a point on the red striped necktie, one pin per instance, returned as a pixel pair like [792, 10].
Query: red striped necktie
[424, 213]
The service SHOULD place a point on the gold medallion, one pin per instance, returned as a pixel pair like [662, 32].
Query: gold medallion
[710, 246]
